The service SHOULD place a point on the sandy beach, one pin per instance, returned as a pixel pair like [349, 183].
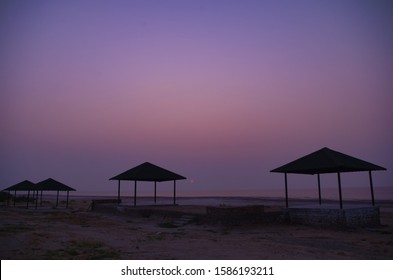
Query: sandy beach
[76, 233]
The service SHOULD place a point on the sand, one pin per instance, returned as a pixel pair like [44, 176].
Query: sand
[76, 233]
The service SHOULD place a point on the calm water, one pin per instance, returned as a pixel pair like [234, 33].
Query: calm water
[233, 201]
[275, 197]
[277, 194]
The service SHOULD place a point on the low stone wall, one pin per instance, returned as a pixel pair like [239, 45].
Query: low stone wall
[96, 202]
[145, 211]
[238, 215]
[364, 216]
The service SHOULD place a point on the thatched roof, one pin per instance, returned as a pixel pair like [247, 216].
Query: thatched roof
[148, 172]
[326, 160]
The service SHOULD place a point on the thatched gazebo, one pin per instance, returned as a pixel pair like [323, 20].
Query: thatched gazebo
[150, 173]
[326, 160]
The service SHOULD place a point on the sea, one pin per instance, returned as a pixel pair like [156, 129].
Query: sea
[362, 195]
[276, 197]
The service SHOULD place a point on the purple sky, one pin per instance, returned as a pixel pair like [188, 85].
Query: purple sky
[218, 91]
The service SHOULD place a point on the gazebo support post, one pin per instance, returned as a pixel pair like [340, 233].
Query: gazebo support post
[118, 191]
[8, 198]
[155, 192]
[319, 190]
[286, 190]
[339, 190]
[41, 198]
[68, 196]
[174, 192]
[36, 199]
[371, 187]
[134, 193]
[57, 199]
[28, 198]
[14, 197]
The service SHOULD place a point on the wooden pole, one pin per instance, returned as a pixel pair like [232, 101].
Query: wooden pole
[286, 190]
[118, 191]
[319, 190]
[68, 195]
[41, 197]
[14, 197]
[339, 190]
[155, 192]
[9, 197]
[174, 192]
[36, 200]
[28, 198]
[134, 193]
[57, 199]
[371, 187]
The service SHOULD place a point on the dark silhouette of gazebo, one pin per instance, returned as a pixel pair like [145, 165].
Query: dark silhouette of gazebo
[150, 173]
[53, 185]
[25, 185]
[45, 185]
[323, 161]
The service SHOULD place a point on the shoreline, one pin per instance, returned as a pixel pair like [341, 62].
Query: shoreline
[256, 198]
[214, 201]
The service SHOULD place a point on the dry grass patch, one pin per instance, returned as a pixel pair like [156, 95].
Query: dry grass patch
[84, 250]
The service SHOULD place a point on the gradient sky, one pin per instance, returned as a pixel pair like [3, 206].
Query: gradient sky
[218, 91]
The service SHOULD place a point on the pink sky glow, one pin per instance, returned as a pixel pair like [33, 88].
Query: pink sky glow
[218, 91]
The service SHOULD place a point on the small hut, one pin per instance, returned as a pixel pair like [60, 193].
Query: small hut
[150, 173]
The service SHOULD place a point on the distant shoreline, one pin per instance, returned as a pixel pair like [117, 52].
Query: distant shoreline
[237, 197]
[211, 200]
[219, 200]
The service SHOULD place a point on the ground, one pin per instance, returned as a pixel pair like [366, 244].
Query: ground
[75, 233]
